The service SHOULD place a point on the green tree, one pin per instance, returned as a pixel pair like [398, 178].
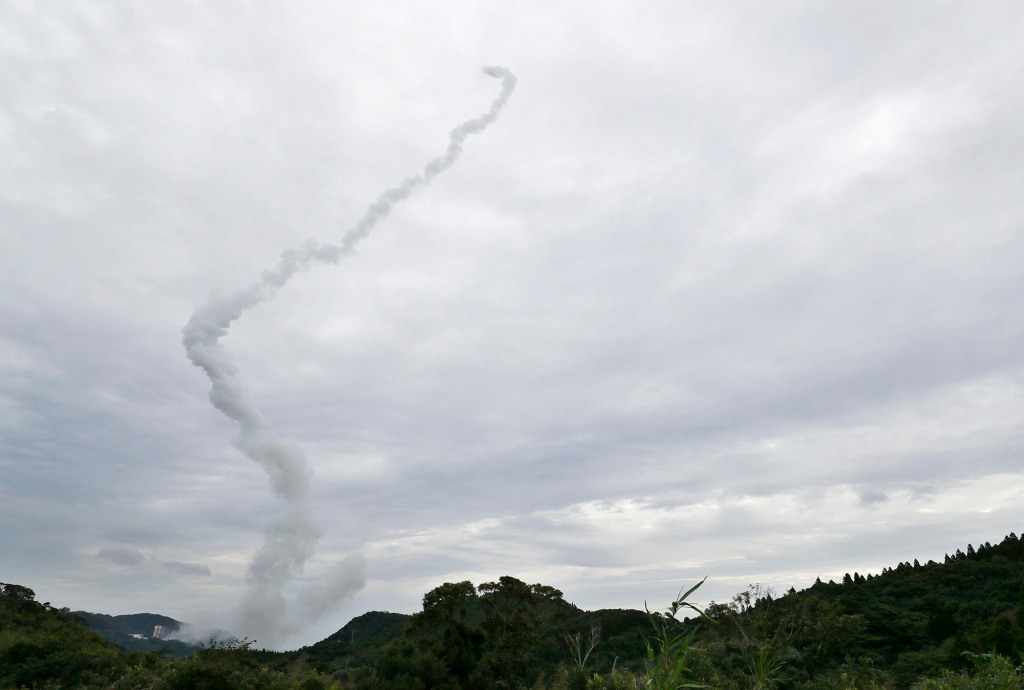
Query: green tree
[445, 611]
[510, 623]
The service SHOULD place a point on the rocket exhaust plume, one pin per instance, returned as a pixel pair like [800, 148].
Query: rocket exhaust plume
[289, 539]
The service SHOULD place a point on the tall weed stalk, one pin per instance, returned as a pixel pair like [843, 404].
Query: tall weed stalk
[666, 664]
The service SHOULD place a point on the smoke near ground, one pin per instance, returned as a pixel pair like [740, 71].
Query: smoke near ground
[289, 539]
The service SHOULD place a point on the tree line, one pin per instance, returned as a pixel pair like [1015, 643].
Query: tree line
[930, 626]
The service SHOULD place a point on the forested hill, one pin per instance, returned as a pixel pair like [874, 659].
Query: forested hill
[894, 629]
[361, 640]
[891, 628]
[42, 645]
[134, 632]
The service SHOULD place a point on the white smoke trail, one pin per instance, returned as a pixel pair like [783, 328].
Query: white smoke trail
[290, 539]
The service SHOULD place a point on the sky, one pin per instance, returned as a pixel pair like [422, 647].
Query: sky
[724, 290]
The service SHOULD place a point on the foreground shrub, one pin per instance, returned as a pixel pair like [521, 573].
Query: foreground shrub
[990, 672]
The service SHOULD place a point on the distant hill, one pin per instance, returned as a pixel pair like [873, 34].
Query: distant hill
[135, 632]
[359, 642]
[368, 629]
[45, 647]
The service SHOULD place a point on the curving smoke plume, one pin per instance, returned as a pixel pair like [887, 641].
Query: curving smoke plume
[290, 538]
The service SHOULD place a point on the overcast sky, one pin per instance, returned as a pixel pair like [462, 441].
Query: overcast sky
[731, 289]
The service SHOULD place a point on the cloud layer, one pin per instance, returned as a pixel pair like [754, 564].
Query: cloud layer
[729, 292]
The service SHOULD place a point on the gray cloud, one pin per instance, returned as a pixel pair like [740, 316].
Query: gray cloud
[180, 568]
[121, 555]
